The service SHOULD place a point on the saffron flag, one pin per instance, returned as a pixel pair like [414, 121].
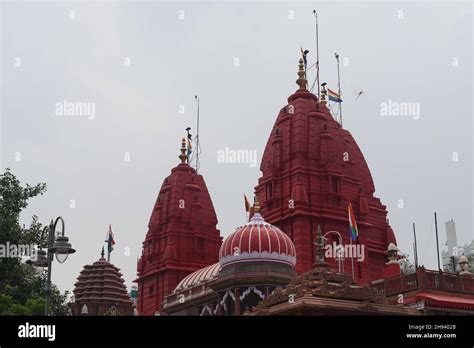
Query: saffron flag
[334, 97]
[110, 240]
[353, 231]
[247, 204]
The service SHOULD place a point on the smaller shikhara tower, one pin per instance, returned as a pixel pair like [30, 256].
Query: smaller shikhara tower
[182, 236]
[312, 169]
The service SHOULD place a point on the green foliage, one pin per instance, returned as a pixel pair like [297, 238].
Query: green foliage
[21, 289]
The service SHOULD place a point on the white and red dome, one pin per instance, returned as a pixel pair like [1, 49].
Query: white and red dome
[257, 241]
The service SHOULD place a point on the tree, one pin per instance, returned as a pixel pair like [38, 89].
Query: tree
[22, 290]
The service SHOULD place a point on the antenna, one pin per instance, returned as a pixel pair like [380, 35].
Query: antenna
[315, 14]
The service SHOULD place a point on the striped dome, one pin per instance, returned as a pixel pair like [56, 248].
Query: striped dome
[198, 277]
[257, 240]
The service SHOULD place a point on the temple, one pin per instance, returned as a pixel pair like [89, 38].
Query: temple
[100, 290]
[182, 236]
[315, 182]
[311, 169]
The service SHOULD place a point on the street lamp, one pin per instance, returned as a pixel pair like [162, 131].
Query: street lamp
[58, 246]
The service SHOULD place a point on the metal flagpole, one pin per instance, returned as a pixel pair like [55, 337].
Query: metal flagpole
[352, 259]
[437, 242]
[339, 87]
[317, 53]
[415, 247]
[198, 149]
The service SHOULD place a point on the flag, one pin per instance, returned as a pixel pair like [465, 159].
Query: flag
[247, 204]
[110, 240]
[334, 97]
[353, 231]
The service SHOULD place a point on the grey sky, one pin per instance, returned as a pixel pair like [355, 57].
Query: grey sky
[172, 59]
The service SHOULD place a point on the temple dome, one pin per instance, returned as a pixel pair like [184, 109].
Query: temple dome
[257, 241]
[200, 276]
[101, 288]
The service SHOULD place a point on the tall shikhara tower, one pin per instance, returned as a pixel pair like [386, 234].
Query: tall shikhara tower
[182, 236]
[311, 169]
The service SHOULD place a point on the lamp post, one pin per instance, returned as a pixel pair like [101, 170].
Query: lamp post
[58, 246]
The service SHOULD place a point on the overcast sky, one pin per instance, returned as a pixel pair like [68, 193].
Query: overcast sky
[403, 52]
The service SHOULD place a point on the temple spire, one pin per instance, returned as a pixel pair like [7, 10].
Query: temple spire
[302, 82]
[102, 254]
[183, 156]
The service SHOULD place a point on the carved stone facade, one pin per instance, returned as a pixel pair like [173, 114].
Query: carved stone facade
[182, 237]
[100, 290]
[322, 291]
[312, 168]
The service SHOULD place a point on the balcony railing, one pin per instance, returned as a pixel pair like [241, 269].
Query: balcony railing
[424, 280]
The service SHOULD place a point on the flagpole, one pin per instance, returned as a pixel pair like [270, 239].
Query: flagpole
[437, 242]
[108, 242]
[339, 88]
[317, 53]
[352, 260]
[196, 98]
[188, 146]
[415, 252]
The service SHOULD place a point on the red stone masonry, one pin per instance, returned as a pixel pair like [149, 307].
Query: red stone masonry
[100, 286]
[310, 161]
[182, 237]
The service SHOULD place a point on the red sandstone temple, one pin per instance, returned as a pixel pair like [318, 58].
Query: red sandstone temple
[312, 169]
[100, 290]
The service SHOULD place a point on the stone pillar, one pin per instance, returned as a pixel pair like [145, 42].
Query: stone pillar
[237, 301]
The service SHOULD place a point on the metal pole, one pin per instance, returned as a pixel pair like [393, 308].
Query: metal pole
[415, 252]
[437, 242]
[352, 259]
[339, 88]
[317, 54]
[197, 135]
[50, 264]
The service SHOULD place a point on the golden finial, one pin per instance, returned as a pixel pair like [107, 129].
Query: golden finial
[256, 205]
[183, 157]
[324, 93]
[302, 82]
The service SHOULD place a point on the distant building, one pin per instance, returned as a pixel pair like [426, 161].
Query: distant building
[451, 255]
[451, 239]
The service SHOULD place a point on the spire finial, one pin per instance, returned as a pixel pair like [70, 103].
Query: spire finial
[102, 254]
[256, 205]
[183, 157]
[324, 93]
[302, 82]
